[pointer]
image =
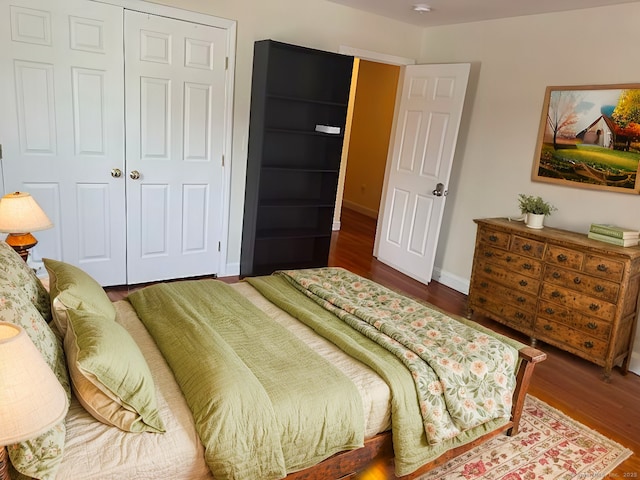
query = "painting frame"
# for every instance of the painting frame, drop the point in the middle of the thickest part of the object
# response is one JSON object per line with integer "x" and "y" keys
{"x": 583, "y": 143}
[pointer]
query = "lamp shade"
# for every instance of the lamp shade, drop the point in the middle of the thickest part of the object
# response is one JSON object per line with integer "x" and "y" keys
{"x": 31, "y": 397}
{"x": 20, "y": 213}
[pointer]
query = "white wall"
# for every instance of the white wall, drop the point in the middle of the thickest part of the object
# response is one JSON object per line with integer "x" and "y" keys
{"x": 311, "y": 23}
{"x": 513, "y": 61}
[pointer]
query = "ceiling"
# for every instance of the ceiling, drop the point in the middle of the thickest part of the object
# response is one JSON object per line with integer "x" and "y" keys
{"x": 448, "y": 12}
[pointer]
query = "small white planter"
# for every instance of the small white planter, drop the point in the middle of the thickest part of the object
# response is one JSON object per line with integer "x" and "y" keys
{"x": 535, "y": 220}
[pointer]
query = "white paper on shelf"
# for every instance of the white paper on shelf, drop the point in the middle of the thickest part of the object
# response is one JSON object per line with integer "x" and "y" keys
{"x": 328, "y": 129}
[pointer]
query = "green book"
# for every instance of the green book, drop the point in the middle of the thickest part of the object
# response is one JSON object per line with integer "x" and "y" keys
{"x": 613, "y": 231}
{"x": 623, "y": 242}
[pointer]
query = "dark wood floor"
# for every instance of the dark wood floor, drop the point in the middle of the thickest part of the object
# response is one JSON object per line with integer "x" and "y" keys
{"x": 564, "y": 381}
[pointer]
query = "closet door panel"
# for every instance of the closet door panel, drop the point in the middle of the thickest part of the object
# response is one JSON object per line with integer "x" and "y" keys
{"x": 175, "y": 133}
{"x": 62, "y": 92}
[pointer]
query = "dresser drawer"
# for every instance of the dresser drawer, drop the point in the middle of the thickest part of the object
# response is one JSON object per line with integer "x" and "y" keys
{"x": 554, "y": 332}
{"x": 484, "y": 288}
{"x": 596, "y": 287}
{"x": 528, "y": 247}
{"x": 508, "y": 314}
{"x": 578, "y": 301}
{"x": 514, "y": 262}
{"x": 604, "y": 267}
{"x": 494, "y": 237}
{"x": 564, "y": 257}
{"x": 590, "y": 325}
{"x": 508, "y": 277}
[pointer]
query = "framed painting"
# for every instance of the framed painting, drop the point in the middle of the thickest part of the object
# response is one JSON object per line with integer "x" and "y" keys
{"x": 589, "y": 137}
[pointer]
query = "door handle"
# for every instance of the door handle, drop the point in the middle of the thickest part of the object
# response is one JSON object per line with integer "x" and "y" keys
{"x": 135, "y": 175}
{"x": 440, "y": 191}
{"x": 116, "y": 172}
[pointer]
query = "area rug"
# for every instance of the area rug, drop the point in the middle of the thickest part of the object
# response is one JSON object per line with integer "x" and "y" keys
{"x": 550, "y": 445}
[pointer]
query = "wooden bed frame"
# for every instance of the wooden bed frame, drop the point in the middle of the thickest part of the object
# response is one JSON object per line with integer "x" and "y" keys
{"x": 347, "y": 464}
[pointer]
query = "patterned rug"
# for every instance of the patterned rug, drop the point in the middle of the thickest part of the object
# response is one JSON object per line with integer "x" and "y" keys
{"x": 550, "y": 445}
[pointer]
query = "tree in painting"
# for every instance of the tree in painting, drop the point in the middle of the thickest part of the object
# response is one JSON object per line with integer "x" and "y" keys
{"x": 562, "y": 113}
{"x": 627, "y": 117}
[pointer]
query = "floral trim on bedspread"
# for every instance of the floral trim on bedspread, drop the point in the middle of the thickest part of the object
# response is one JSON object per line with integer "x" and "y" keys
{"x": 463, "y": 376}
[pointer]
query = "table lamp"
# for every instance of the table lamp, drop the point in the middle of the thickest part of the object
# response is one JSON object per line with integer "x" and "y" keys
{"x": 31, "y": 397}
{"x": 19, "y": 215}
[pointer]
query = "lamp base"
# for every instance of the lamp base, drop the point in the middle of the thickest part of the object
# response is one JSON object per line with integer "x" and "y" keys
{"x": 4, "y": 464}
{"x": 21, "y": 243}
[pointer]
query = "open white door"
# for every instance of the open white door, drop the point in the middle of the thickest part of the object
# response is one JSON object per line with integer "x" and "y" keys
{"x": 175, "y": 78}
{"x": 424, "y": 135}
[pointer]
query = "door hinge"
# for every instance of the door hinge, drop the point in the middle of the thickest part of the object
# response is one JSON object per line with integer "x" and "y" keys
{"x": 223, "y": 160}
{"x": 226, "y": 63}
{"x": 219, "y": 246}
{"x": 0, "y": 151}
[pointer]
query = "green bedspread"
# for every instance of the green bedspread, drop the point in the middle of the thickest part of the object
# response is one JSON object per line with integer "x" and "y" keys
{"x": 411, "y": 446}
{"x": 264, "y": 404}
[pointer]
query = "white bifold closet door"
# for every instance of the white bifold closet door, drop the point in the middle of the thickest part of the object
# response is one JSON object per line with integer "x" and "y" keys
{"x": 62, "y": 128}
{"x": 63, "y": 77}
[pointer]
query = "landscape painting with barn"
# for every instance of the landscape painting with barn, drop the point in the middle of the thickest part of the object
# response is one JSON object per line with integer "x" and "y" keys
{"x": 590, "y": 137}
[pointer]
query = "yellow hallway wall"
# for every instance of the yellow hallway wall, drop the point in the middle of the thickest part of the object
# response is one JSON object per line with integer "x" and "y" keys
{"x": 369, "y": 137}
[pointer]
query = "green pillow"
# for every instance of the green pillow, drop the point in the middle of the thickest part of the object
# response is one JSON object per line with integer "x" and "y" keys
{"x": 109, "y": 374}
{"x": 70, "y": 287}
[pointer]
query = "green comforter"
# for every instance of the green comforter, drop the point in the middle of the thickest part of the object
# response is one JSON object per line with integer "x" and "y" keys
{"x": 411, "y": 446}
{"x": 264, "y": 404}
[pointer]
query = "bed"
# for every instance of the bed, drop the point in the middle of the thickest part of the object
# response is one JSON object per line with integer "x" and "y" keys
{"x": 293, "y": 378}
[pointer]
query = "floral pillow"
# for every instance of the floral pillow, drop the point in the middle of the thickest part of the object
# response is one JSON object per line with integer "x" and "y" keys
{"x": 20, "y": 304}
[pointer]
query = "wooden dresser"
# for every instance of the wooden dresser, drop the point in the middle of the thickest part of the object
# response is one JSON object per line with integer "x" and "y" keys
{"x": 559, "y": 287}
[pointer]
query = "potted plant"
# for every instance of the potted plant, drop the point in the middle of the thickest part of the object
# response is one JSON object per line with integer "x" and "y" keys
{"x": 535, "y": 209}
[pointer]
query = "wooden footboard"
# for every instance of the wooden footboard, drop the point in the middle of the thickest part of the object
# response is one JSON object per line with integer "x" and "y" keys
{"x": 380, "y": 448}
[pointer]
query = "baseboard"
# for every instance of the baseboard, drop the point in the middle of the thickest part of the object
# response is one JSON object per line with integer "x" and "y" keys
{"x": 634, "y": 365}
{"x": 360, "y": 209}
{"x": 459, "y": 284}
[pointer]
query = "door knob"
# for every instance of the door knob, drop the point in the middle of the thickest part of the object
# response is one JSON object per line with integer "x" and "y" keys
{"x": 440, "y": 191}
{"x": 135, "y": 175}
{"x": 116, "y": 172}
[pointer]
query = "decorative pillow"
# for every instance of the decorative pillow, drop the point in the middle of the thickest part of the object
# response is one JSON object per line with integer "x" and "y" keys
{"x": 15, "y": 272}
{"x": 109, "y": 374}
{"x": 39, "y": 457}
{"x": 70, "y": 287}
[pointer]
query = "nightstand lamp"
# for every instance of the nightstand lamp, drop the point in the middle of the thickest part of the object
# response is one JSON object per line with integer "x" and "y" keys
{"x": 31, "y": 397}
{"x": 19, "y": 215}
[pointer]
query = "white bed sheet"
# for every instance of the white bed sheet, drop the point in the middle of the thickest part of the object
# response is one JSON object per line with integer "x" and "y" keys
{"x": 94, "y": 451}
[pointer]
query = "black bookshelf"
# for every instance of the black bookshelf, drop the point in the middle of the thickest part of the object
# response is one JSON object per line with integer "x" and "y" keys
{"x": 292, "y": 167}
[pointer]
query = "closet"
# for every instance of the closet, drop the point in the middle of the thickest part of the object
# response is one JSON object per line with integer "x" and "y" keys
{"x": 299, "y": 100}
{"x": 117, "y": 122}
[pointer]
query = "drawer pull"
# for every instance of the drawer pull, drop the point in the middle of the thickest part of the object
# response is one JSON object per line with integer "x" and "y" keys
{"x": 482, "y": 300}
{"x": 484, "y": 284}
{"x": 526, "y": 247}
{"x": 519, "y": 315}
{"x": 594, "y": 307}
{"x": 521, "y": 299}
{"x": 488, "y": 254}
{"x": 599, "y": 288}
{"x": 556, "y": 275}
{"x": 508, "y": 258}
{"x": 527, "y": 266}
{"x": 549, "y": 310}
{"x": 588, "y": 344}
{"x": 562, "y": 257}
{"x": 555, "y": 294}
{"x": 577, "y": 281}
{"x": 493, "y": 238}
{"x": 548, "y": 327}
{"x": 592, "y": 325}
{"x": 523, "y": 283}
{"x": 487, "y": 269}
{"x": 602, "y": 267}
